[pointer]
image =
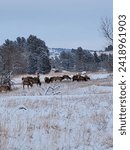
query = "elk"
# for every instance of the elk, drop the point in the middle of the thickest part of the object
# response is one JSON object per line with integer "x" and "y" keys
{"x": 5, "y": 88}
{"x": 80, "y": 78}
{"x": 34, "y": 80}
{"x": 56, "y": 79}
{"x": 75, "y": 77}
{"x": 88, "y": 78}
{"x": 26, "y": 81}
{"x": 47, "y": 80}
{"x": 66, "y": 77}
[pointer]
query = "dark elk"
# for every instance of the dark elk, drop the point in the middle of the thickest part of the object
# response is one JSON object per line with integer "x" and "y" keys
{"x": 80, "y": 78}
{"x": 75, "y": 77}
{"x": 52, "y": 79}
{"x": 27, "y": 82}
{"x": 47, "y": 80}
{"x": 66, "y": 77}
{"x": 87, "y": 78}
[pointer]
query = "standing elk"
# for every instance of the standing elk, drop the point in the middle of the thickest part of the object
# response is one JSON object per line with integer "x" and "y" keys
{"x": 34, "y": 80}
{"x": 27, "y": 82}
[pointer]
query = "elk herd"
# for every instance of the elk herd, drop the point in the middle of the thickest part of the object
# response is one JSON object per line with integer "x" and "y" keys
{"x": 29, "y": 81}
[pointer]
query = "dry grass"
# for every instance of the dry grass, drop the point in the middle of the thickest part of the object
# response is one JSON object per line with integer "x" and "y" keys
{"x": 3, "y": 135}
{"x": 58, "y": 122}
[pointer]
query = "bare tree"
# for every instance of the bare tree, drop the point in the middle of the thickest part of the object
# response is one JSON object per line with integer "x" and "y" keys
{"x": 107, "y": 29}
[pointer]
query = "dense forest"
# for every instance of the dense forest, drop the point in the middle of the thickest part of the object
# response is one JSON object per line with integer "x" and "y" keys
{"x": 31, "y": 55}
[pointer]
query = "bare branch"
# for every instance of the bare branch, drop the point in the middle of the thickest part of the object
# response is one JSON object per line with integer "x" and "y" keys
{"x": 107, "y": 29}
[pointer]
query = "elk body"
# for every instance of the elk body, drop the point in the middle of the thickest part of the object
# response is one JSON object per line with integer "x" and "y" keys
{"x": 29, "y": 81}
{"x": 4, "y": 88}
{"x": 52, "y": 79}
{"x": 26, "y": 81}
{"x": 47, "y": 80}
{"x": 66, "y": 77}
{"x": 80, "y": 78}
{"x": 34, "y": 80}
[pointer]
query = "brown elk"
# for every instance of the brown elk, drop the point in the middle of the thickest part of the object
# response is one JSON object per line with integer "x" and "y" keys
{"x": 66, "y": 77}
{"x": 5, "y": 88}
{"x": 87, "y": 78}
{"x": 75, "y": 77}
{"x": 80, "y": 78}
{"x": 47, "y": 80}
{"x": 27, "y": 82}
{"x": 52, "y": 79}
{"x": 58, "y": 78}
{"x": 34, "y": 80}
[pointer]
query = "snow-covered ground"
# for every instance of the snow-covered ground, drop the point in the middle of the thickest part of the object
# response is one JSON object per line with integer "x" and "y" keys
{"x": 58, "y": 116}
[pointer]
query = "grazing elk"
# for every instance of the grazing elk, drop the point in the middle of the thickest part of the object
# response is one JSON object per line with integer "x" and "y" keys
{"x": 47, "y": 80}
{"x": 66, "y": 77}
{"x": 52, "y": 79}
{"x": 27, "y": 82}
{"x": 88, "y": 78}
{"x": 5, "y": 88}
{"x": 75, "y": 77}
{"x": 80, "y": 78}
{"x": 58, "y": 78}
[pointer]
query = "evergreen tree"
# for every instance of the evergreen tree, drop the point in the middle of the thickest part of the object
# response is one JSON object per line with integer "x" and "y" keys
{"x": 96, "y": 58}
{"x": 38, "y": 55}
{"x": 109, "y": 48}
{"x": 12, "y": 57}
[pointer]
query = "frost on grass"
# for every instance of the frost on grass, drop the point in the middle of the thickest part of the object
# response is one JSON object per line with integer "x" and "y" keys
{"x": 78, "y": 118}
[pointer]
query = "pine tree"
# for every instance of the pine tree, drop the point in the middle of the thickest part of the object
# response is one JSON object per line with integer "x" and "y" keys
{"x": 38, "y": 55}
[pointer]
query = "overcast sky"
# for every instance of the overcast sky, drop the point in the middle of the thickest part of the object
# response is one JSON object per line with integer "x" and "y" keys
{"x": 60, "y": 23}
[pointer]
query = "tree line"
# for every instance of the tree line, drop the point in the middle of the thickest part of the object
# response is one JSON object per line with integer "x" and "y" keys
{"x": 83, "y": 60}
{"x": 31, "y": 55}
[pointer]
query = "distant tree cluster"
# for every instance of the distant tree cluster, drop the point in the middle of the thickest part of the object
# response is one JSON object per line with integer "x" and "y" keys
{"x": 109, "y": 48}
{"x": 82, "y": 60}
{"x": 29, "y": 55}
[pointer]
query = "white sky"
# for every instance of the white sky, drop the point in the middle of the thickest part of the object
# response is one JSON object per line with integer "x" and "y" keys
{"x": 60, "y": 23}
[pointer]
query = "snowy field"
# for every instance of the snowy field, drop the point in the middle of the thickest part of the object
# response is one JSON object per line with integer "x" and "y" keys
{"x": 58, "y": 116}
